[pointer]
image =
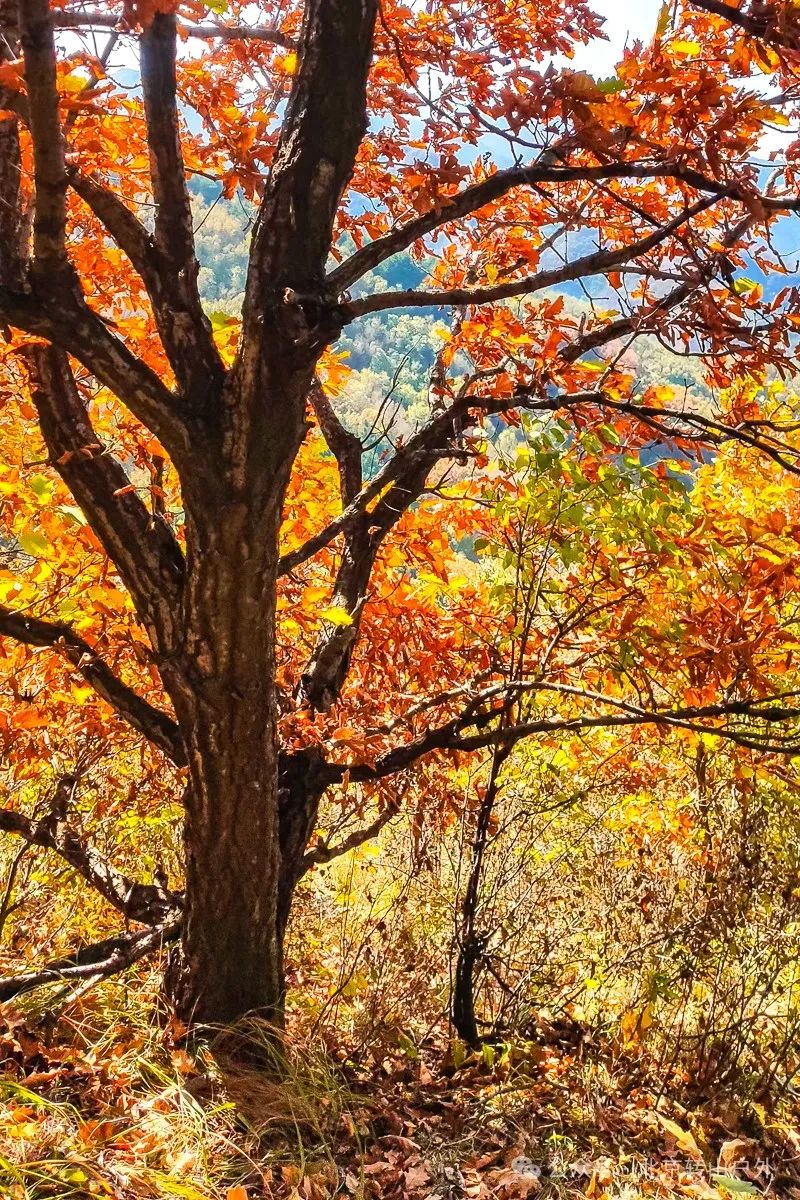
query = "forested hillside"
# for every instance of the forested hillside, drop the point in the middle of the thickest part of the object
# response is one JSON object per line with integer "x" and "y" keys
{"x": 389, "y": 357}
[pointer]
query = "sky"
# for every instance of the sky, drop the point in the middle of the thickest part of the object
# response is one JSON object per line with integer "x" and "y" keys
{"x": 625, "y": 21}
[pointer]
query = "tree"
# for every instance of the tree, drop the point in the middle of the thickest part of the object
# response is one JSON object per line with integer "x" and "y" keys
{"x": 631, "y": 586}
{"x": 377, "y": 121}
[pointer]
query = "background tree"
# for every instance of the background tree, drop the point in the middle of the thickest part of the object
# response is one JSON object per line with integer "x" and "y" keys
{"x": 343, "y": 117}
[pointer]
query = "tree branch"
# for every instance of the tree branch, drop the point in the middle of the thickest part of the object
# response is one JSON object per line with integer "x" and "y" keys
{"x": 322, "y": 680}
{"x": 364, "y": 532}
{"x": 642, "y": 322}
{"x": 13, "y": 225}
{"x": 323, "y": 853}
{"x": 767, "y": 25}
{"x": 94, "y": 19}
{"x": 100, "y": 960}
{"x": 452, "y": 735}
{"x": 54, "y": 307}
{"x": 345, "y": 447}
{"x": 184, "y": 327}
{"x": 475, "y": 197}
{"x": 589, "y": 264}
{"x": 672, "y": 423}
{"x": 151, "y": 722}
{"x": 426, "y": 444}
{"x": 135, "y": 241}
{"x": 147, "y": 903}
{"x": 142, "y": 546}
{"x": 50, "y": 177}
{"x": 61, "y": 316}
{"x": 325, "y": 121}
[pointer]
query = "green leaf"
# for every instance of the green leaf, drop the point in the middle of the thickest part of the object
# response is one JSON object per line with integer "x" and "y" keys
{"x": 72, "y": 513}
{"x": 407, "y": 1046}
{"x": 737, "y": 1187}
{"x": 663, "y": 21}
{"x": 743, "y": 286}
{"x": 42, "y": 487}
{"x": 170, "y": 1186}
{"x": 610, "y": 86}
{"x": 222, "y": 320}
{"x": 74, "y": 1175}
{"x": 33, "y": 543}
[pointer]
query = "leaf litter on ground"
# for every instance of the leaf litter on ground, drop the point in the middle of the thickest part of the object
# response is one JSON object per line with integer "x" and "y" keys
{"x": 143, "y": 1117}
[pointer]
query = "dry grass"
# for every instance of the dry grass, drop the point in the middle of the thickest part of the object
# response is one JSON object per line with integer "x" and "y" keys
{"x": 106, "y": 1101}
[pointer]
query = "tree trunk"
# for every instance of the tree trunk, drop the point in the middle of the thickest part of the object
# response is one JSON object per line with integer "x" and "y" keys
{"x": 471, "y": 943}
{"x": 462, "y": 1004}
{"x": 223, "y": 686}
{"x": 231, "y": 961}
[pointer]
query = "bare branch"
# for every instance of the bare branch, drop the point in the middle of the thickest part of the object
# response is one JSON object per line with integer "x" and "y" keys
{"x": 400, "y": 484}
{"x": 94, "y": 19}
{"x": 345, "y": 447}
{"x": 321, "y": 682}
{"x": 100, "y": 960}
{"x": 50, "y": 177}
{"x": 147, "y": 903}
{"x": 323, "y": 853}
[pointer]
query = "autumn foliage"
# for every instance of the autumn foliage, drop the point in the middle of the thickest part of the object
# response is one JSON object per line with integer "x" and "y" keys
{"x": 242, "y": 636}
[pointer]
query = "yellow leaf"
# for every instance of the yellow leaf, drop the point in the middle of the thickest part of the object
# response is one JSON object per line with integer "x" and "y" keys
{"x": 635, "y": 1023}
{"x": 73, "y": 84}
{"x": 581, "y": 86}
{"x": 685, "y": 49}
{"x": 336, "y": 615}
{"x": 766, "y": 58}
{"x": 683, "y": 1139}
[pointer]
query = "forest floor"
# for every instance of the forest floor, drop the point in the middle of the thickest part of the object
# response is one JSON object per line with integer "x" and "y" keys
{"x": 129, "y": 1111}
